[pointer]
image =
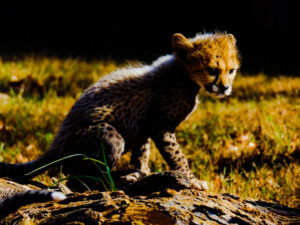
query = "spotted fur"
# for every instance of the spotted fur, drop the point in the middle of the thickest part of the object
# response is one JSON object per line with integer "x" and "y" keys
{"x": 128, "y": 107}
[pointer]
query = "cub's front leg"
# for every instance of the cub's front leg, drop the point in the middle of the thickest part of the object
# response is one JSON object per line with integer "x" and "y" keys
{"x": 139, "y": 158}
{"x": 169, "y": 148}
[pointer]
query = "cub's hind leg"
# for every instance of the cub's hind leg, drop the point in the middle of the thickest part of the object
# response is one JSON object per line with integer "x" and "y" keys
{"x": 113, "y": 144}
{"x": 95, "y": 142}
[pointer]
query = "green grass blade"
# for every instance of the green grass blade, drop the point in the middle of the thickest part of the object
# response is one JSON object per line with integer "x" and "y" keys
{"x": 102, "y": 173}
{"x": 82, "y": 176}
{"x": 53, "y": 162}
{"x": 84, "y": 184}
{"x": 57, "y": 182}
{"x": 94, "y": 160}
{"x": 100, "y": 170}
{"x": 112, "y": 183}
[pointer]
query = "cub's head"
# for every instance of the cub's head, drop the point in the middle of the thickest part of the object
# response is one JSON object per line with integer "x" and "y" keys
{"x": 210, "y": 59}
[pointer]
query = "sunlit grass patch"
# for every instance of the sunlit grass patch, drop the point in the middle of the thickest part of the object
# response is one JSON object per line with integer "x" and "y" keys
{"x": 29, "y": 124}
{"x": 263, "y": 87}
{"x": 38, "y": 75}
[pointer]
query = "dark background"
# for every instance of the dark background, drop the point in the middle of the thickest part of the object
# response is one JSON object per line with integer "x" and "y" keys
{"x": 266, "y": 31}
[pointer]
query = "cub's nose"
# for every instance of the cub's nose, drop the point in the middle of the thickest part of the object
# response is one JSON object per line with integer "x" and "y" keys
{"x": 223, "y": 88}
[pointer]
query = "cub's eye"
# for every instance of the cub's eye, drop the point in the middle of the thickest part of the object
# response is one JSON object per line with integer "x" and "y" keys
{"x": 231, "y": 71}
{"x": 213, "y": 71}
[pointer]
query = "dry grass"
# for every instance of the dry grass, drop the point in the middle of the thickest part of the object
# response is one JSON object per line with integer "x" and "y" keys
{"x": 248, "y": 144}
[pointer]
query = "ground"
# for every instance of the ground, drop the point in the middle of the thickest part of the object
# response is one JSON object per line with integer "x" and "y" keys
{"x": 247, "y": 144}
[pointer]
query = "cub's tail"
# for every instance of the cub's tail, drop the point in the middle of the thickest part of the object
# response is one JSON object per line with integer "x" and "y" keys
{"x": 13, "y": 202}
{"x": 23, "y": 171}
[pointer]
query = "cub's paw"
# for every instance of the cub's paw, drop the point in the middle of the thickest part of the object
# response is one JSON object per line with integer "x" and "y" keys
{"x": 200, "y": 185}
{"x": 132, "y": 177}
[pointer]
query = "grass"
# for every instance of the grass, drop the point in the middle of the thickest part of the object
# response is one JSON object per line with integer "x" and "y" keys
{"x": 106, "y": 177}
{"x": 248, "y": 144}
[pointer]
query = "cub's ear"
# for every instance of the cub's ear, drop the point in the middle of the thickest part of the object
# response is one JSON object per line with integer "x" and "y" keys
{"x": 231, "y": 37}
{"x": 181, "y": 45}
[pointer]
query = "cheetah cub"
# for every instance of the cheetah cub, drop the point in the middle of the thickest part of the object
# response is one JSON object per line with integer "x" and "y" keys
{"x": 128, "y": 107}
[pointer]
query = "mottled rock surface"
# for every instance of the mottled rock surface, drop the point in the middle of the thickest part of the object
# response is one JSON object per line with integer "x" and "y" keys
{"x": 186, "y": 206}
{"x": 161, "y": 198}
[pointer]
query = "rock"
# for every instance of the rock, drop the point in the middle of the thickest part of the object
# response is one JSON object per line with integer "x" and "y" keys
{"x": 168, "y": 206}
{"x": 8, "y": 187}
